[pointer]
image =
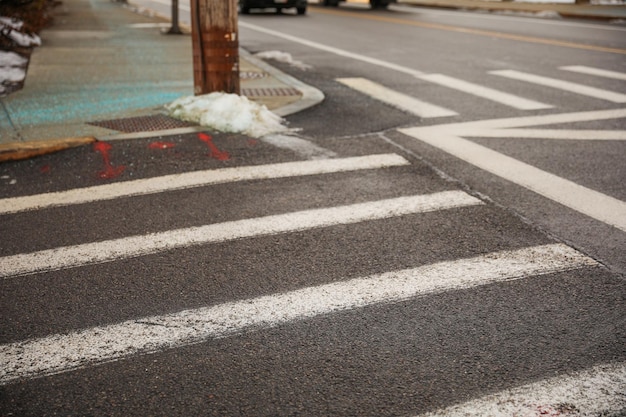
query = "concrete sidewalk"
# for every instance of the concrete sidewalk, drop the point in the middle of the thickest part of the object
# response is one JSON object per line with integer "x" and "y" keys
{"x": 104, "y": 71}
{"x": 583, "y": 11}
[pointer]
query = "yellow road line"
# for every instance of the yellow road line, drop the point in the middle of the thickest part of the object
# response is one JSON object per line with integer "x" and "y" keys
{"x": 480, "y": 32}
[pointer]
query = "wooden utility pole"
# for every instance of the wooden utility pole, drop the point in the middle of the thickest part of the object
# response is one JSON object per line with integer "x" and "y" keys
{"x": 215, "y": 46}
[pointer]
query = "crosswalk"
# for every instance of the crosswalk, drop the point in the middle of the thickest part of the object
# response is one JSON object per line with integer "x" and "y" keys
{"x": 425, "y": 109}
{"x": 85, "y": 349}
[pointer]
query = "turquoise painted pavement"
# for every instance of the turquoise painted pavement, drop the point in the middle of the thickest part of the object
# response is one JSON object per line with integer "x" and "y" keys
{"x": 98, "y": 61}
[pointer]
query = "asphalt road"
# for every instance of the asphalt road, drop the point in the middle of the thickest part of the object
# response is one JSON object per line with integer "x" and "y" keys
{"x": 396, "y": 288}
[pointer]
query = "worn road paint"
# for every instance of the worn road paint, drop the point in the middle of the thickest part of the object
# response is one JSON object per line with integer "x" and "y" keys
{"x": 109, "y": 170}
{"x": 64, "y": 352}
{"x": 570, "y": 87}
{"x": 140, "y": 245}
{"x": 599, "y": 391}
{"x": 491, "y": 94}
{"x": 300, "y": 146}
{"x": 595, "y": 71}
{"x": 198, "y": 179}
{"x": 396, "y": 99}
{"x": 214, "y": 152}
{"x": 449, "y": 138}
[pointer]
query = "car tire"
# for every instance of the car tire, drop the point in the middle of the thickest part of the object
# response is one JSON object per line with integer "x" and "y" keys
{"x": 379, "y": 4}
{"x": 331, "y": 3}
{"x": 301, "y": 10}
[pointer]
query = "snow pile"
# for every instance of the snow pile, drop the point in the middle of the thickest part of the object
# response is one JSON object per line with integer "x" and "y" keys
{"x": 12, "y": 30}
{"x": 12, "y": 71}
{"x": 227, "y": 113}
{"x": 283, "y": 57}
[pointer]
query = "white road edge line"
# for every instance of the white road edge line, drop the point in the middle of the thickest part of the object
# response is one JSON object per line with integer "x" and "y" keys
{"x": 64, "y": 352}
{"x": 333, "y": 50}
{"x": 592, "y": 203}
{"x": 546, "y": 119}
{"x": 563, "y": 85}
{"x": 595, "y": 71}
{"x": 556, "y": 134}
{"x": 398, "y": 100}
{"x": 477, "y": 90}
{"x": 141, "y": 245}
{"x": 199, "y": 179}
{"x": 598, "y": 391}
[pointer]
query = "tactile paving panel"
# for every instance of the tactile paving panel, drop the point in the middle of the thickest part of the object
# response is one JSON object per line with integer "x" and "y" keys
{"x": 142, "y": 123}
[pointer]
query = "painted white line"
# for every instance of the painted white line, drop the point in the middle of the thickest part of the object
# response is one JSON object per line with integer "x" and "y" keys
{"x": 563, "y": 85}
{"x": 331, "y": 49}
{"x": 63, "y": 352}
{"x": 302, "y": 147}
{"x": 395, "y": 99}
{"x": 557, "y": 134}
{"x": 599, "y": 391}
{"x": 201, "y": 178}
{"x": 546, "y": 119}
{"x": 584, "y": 200}
{"x": 140, "y": 245}
{"x": 485, "y": 92}
{"x": 595, "y": 71}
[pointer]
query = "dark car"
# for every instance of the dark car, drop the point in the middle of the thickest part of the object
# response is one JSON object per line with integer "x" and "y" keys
{"x": 376, "y": 4}
{"x": 246, "y": 5}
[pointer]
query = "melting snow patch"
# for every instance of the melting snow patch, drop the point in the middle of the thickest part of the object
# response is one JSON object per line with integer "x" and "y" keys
{"x": 11, "y": 29}
{"x": 227, "y": 113}
{"x": 12, "y": 71}
{"x": 283, "y": 57}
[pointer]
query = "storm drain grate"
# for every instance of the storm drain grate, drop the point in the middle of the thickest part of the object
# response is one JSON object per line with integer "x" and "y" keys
{"x": 142, "y": 123}
{"x": 270, "y": 92}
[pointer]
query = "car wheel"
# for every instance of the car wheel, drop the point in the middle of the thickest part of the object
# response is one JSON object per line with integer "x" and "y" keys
{"x": 301, "y": 10}
{"x": 379, "y": 4}
{"x": 332, "y": 3}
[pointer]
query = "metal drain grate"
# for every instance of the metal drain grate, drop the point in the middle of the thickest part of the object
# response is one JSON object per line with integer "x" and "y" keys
{"x": 270, "y": 92}
{"x": 142, "y": 123}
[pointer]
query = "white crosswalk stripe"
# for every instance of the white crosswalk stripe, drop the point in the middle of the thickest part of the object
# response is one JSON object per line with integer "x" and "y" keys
{"x": 481, "y": 91}
{"x": 425, "y": 109}
{"x": 134, "y": 246}
{"x": 599, "y": 391}
{"x": 197, "y": 179}
{"x": 396, "y": 99}
{"x": 563, "y": 85}
{"x": 595, "y": 71}
{"x": 59, "y": 353}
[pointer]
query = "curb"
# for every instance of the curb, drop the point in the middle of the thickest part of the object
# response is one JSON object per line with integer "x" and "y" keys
{"x": 311, "y": 96}
{"x": 562, "y": 9}
{"x": 15, "y": 151}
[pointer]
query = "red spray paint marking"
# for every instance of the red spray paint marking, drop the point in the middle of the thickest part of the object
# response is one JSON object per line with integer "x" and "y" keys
{"x": 214, "y": 152}
{"x": 45, "y": 169}
{"x": 253, "y": 142}
{"x": 109, "y": 170}
{"x": 161, "y": 145}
